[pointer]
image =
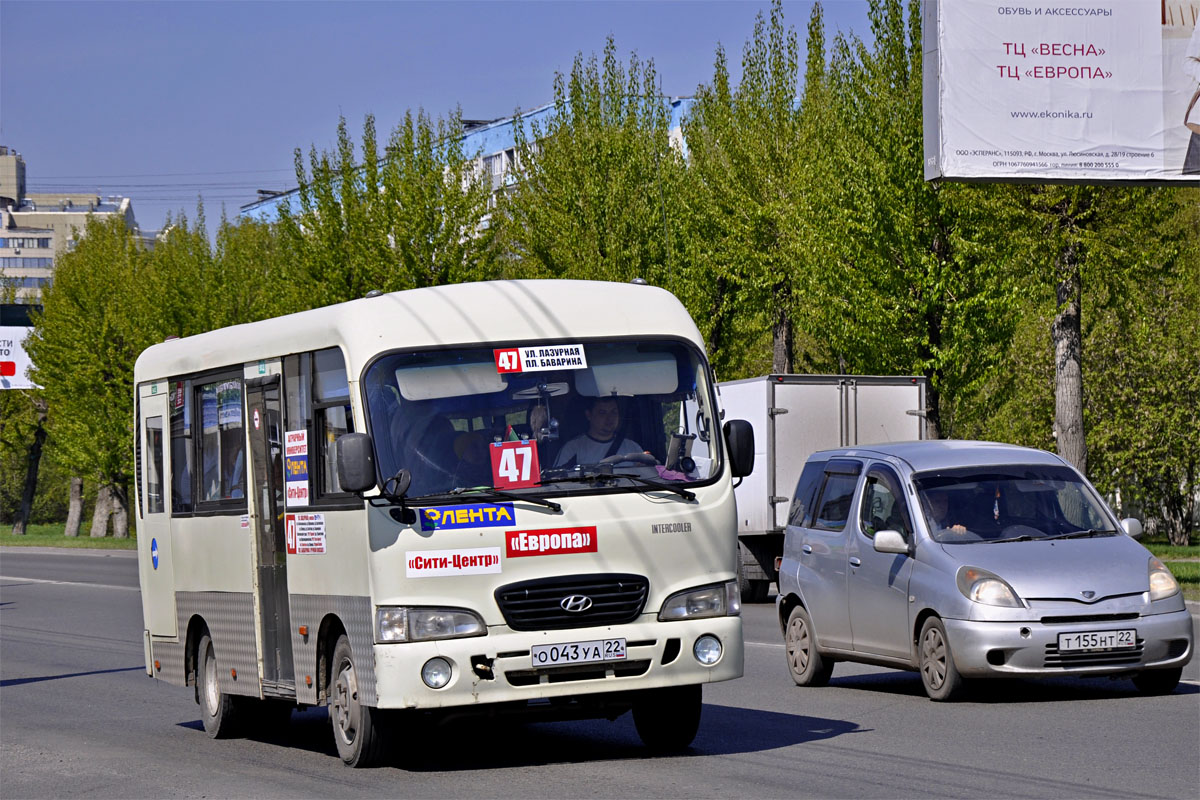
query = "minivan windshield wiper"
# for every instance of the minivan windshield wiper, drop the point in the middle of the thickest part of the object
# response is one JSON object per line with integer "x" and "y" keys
{"x": 494, "y": 494}
{"x": 1025, "y": 537}
{"x": 607, "y": 477}
{"x": 1090, "y": 532}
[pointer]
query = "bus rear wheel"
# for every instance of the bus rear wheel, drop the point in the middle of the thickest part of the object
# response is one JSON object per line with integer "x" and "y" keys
{"x": 667, "y": 719}
{"x": 219, "y": 711}
{"x": 356, "y": 728}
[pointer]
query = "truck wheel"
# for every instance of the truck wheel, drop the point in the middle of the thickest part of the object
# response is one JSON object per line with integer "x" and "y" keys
{"x": 808, "y": 667}
{"x": 752, "y": 590}
{"x": 218, "y": 710}
{"x": 356, "y": 728}
{"x": 938, "y": 672}
{"x": 667, "y": 719}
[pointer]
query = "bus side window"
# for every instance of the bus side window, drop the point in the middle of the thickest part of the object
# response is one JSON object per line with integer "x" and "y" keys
{"x": 181, "y": 447}
{"x": 331, "y": 407}
{"x": 318, "y": 401}
{"x": 153, "y": 444}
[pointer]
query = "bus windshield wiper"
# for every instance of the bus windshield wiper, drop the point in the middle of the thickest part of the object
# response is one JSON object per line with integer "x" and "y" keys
{"x": 1084, "y": 534}
{"x": 498, "y": 493}
{"x": 666, "y": 487}
{"x": 607, "y": 477}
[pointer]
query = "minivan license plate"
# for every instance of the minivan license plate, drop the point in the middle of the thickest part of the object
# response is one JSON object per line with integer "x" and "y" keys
{"x": 551, "y": 655}
{"x": 1084, "y": 641}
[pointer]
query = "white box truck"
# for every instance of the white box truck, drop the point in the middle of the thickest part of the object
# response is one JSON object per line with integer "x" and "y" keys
{"x": 794, "y": 416}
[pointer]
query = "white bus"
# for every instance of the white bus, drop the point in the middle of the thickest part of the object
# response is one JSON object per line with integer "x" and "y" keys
{"x": 471, "y": 498}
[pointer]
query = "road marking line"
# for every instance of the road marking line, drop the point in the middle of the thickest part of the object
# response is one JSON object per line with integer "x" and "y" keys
{"x": 764, "y": 644}
{"x": 70, "y": 583}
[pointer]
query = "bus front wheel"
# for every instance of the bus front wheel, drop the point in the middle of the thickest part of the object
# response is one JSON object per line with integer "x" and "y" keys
{"x": 356, "y": 728}
{"x": 219, "y": 710}
{"x": 667, "y": 719}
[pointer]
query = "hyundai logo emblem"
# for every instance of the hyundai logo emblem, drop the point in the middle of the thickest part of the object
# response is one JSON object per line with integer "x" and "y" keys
{"x": 576, "y": 603}
{"x": 1088, "y": 594}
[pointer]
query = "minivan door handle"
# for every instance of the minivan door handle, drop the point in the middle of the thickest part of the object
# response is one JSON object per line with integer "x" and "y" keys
{"x": 807, "y": 549}
{"x": 854, "y": 562}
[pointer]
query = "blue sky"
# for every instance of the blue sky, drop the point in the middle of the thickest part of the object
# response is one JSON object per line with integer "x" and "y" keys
{"x": 165, "y": 101}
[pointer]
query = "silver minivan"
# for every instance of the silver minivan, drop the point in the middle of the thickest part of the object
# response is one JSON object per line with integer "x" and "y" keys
{"x": 968, "y": 560}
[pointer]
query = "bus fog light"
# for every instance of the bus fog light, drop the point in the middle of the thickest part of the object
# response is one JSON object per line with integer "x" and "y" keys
{"x": 707, "y": 650}
{"x": 436, "y": 673}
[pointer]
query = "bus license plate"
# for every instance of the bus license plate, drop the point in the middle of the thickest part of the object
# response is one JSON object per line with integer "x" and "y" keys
{"x": 1084, "y": 641}
{"x": 553, "y": 655}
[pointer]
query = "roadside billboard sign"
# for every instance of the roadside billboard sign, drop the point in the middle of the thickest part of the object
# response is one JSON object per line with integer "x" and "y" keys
{"x": 1074, "y": 90}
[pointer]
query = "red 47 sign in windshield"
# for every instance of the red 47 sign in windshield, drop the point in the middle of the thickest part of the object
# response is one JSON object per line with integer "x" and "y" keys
{"x": 515, "y": 464}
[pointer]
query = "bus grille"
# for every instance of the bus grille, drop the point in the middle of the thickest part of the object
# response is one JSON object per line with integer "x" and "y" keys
{"x": 538, "y": 605}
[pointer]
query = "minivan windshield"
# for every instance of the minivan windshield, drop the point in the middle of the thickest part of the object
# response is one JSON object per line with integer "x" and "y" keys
{"x": 1009, "y": 503}
{"x": 543, "y": 418}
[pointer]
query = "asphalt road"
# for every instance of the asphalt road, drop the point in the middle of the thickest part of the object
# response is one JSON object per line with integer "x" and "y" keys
{"x": 79, "y": 718}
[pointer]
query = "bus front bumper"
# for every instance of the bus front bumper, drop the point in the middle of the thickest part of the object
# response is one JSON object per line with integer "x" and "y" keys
{"x": 499, "y": 668}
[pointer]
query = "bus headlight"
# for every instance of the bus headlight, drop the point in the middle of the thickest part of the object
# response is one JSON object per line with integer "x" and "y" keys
{"x": 436, "y": 672}
{"x": 406, "y": 624}
{"x": 707, "y": 650}
{"x": 718, "y": 600}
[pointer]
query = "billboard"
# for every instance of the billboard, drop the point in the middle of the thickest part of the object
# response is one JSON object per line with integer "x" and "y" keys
{"x": 15, "y": 324}
{"x": 1105, "y": 90}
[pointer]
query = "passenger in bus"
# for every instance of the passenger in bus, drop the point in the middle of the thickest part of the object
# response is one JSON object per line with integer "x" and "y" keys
{"x": 602, "y": 439}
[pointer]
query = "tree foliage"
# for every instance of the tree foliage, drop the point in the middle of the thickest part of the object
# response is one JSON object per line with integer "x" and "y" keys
{"x": 599, "y": 189}
{"x": 750, "y": 196}
{"x": 913, "y": 278}
{"x": 410, "y": 217}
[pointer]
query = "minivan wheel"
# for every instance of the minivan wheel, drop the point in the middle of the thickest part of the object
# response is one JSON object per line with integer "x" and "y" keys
{"x": 1158, "y": 681}
{"x": 808, "y": 667}
{"x": 938, "y": 673}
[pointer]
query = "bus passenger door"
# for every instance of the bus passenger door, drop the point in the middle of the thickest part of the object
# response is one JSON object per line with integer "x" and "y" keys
{"x": 266, "y": 459}
{"x": 154, "y": 515}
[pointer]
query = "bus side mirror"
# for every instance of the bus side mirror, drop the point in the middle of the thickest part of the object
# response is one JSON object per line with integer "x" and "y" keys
{"x": 739, "y": 437}
{"x": 355, "y": 462}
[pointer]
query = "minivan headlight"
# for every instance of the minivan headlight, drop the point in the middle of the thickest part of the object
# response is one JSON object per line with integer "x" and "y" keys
{"x": 981, "y": 586}
{"x": 718, "y": 600}
{"x": 1162, "y": 582}
{"x": 406, "y": 624}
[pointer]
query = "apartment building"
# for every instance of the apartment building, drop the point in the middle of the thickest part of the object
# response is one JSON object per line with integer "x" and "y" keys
{"x": 35, "y": 227}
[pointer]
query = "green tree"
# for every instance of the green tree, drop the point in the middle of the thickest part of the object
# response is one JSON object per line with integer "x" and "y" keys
{"x": 83, "y": 347}
{"x": 913, "y": 275}
{"x": 409, "y": 218}
{"x": 749, "y": 153}
{"x": 599, "y": 181}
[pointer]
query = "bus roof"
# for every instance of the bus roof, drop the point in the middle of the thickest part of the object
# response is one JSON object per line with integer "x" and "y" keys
{"x": 459, "y": 314}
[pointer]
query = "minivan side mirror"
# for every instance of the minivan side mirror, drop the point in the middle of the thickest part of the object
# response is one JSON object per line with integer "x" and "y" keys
{"x": 890, "y": 542}
{"x": 355, "y": 462}
{"x": 739, "y": 437}
{"x": 1132, "y": 528}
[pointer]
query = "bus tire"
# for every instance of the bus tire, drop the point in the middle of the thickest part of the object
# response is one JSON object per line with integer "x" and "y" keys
{"x": 356, "y": 728}
{"x": 667, "y": 719}
{"x": 218, "y": 711}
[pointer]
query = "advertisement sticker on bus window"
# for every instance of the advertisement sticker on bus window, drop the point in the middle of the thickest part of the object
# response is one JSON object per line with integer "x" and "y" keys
{"x": 445, "y": 563}
{"x": 540, "y": 359}
{"x": 305, "y": 534}
{"x": 295, "y": 467}
{"x": 551, "y": 541}
{"x": 515, "y": 464}
{"x": 479, "y": 515}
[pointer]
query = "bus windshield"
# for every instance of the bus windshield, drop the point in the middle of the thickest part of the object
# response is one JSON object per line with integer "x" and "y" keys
{"x": 543, "y": 418}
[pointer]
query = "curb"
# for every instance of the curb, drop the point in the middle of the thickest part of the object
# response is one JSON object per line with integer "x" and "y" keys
{"x": 1193, "y": 607}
